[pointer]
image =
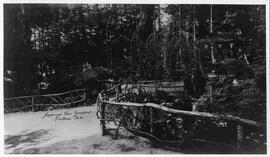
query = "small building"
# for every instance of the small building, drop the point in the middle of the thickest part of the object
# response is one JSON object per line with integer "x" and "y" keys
{"x": 220, "y": 50}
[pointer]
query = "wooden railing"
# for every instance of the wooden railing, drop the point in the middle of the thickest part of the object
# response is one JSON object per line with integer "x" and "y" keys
{"x": 143, "y": 118}
{"x": 147, "y": 87}
{"x": 109, "y": 83}
{"x": 44, "y": 102}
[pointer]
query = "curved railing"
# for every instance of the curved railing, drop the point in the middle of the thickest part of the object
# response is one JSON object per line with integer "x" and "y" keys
{"x": 116, "y": 108}
{"x": 44, "y": 102}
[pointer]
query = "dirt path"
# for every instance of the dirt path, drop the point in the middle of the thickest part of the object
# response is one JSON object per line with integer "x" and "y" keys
{"x": 67, "y": 131}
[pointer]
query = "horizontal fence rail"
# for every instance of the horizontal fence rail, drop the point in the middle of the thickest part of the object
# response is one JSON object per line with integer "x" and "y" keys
{"x": 109, "y": 83}
{"x": 117, "y": 108}
{"x": 147, "y": 87}
{"x": 187, "y": 113}
{"x": 44, "y": 102}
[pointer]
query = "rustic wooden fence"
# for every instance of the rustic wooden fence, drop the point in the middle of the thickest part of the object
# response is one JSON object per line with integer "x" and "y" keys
{"x": 109, "y": 83}
{"x": 166, "y": 125}
{"x": 44, "y": 102}
{"x": 145, "y": 87}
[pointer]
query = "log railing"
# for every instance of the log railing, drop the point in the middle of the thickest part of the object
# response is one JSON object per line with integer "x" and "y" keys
{"x": 144, "y": 86}
{"x": 44, "y": 102}
{"x": 146, "y": 118}
{"x": 109, "y": 83}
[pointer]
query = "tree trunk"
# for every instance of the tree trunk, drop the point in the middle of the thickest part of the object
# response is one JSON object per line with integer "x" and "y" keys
{"x": 180, "y": 31}
{"x": 211, "y": 31}
{"x": 145, "y": 28}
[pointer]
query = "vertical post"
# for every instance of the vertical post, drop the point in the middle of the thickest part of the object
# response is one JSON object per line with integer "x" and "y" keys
{"x": 125, "y": 90}
{"x": 179, "y": 58}
{"x": 211, "y": 18}
{"x": 102, "y": 121}
{"x": 231, "y": 51}
{"x": 151, "y": 119}
{"x": 211, "y": 31}
{"x": 194, "y": 107}
{"x": 33, "y": 104}
{"x": 180, "y": 29}
{"x": 245, "y": 57}
{"x": 84, "y": 95}
{"x": 240, "y": 135}
{"x": 194, "y": 34}
{"x": 211, "y": 92}
{"x": 117, "y": 91}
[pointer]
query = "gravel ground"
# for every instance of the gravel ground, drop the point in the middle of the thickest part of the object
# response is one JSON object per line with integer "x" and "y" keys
{"x": 68, "y": 131}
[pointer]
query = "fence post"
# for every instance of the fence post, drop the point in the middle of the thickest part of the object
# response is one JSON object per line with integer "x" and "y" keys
{"x": 211, "y": 93}
{"x": 102, "y": 120}
{"x": 151, "y": 119}
{"x": 240, "y": 135}
{"x": 117, "y": 92}
{"x": 84, "y": 95}
{"x": 33, "y": 104}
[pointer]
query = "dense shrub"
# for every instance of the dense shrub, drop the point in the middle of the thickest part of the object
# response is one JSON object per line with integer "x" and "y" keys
{"x": 244, "y": 100}
{"x": 239, "y": 68}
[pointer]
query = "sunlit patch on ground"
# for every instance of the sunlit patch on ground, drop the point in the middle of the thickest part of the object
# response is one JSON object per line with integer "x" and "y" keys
{"x": 30, "y": 133}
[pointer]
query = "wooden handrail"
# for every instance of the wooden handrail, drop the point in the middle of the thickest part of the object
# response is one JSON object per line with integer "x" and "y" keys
{"x": 188, "y": 113}
{"x": 175, "y": 111}
{"x": 139, "y": 82}
{"x": 111, "y": 89}
{"x": 103, "y": 100}
{"x": 57, "y": 94}
{"x": 109, "y": 81}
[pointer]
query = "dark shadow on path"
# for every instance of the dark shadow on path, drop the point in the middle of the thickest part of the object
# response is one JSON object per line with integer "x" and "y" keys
{"x": 27, "y": 138}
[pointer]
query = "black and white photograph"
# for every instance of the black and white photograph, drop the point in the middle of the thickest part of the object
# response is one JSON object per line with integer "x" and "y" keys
{"x": 131, "y": 78}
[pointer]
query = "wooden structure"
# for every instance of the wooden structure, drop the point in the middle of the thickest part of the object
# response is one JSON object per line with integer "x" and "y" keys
{"x": 109, "y": 83}
{"x": 44, "y": 102}
{"x": 225, "y": 49}
{"x": 161, "y": 124}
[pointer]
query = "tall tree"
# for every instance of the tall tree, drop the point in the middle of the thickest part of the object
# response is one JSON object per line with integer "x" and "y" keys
{"x": 144, "y": 30}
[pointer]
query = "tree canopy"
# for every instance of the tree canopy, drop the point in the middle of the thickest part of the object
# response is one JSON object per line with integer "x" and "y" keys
{"x": 150, "y": 41}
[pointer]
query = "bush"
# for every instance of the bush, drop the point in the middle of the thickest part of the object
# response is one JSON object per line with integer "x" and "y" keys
{"x": 261, "y": 82}
{"x": 244, "y": 100}
{"x": 240, "y": 69}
